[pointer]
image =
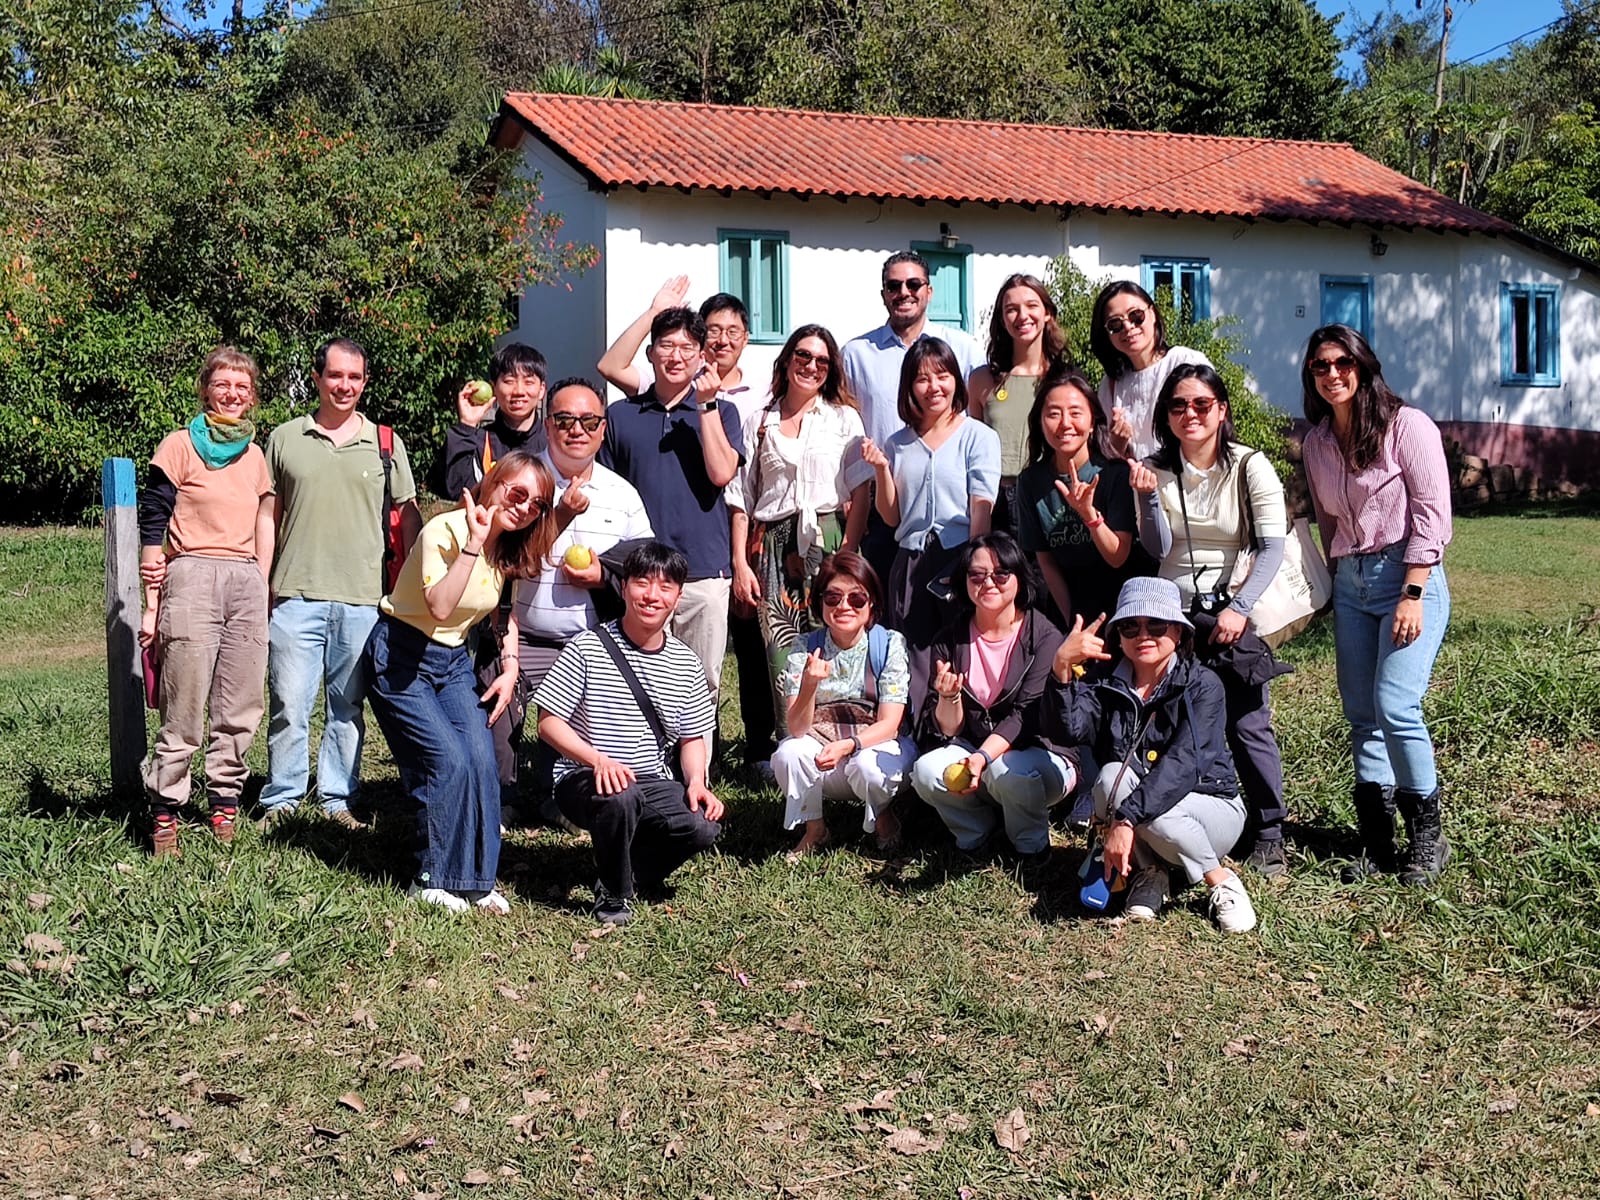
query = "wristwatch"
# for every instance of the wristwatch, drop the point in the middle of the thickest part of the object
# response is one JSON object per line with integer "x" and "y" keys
{"x": 709, "y": 406}
{"x": 1411, "y": 591}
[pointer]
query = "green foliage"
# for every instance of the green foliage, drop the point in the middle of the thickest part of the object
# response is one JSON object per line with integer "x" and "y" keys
{"x": 1255, "y": 422}
{"x": 1555, "y": 192}
{"x": 270, "y": 193}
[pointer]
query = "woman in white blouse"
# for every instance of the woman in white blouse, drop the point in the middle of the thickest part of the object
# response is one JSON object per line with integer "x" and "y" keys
{"x": 802, "y": 492}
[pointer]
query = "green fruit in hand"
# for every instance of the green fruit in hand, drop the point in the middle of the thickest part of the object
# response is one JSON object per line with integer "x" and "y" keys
{"x": 579, "y": 557}
{"x": 958, "y": 776}
{"x": 482, "y": 392}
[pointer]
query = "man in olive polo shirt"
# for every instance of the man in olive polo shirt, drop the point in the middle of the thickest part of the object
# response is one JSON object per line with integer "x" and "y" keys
{"x": 327, "y": 579}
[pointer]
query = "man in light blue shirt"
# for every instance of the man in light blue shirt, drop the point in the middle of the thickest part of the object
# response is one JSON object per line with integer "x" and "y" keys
{"x": 872, "y": 361}
{"x": 872, "y": 369}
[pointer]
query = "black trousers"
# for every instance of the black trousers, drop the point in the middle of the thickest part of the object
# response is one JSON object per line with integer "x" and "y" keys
{"x": 641, "y": 834}
{"x": 1255, "y": 755}
{"x": 755, "y": 687}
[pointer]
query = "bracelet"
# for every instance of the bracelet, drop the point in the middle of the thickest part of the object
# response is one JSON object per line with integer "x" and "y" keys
{"x": 469, "y": 553}
{"x": 988, "y": 759}
{"x": 855, "y": 745}
{"x": 1095, "y": 524}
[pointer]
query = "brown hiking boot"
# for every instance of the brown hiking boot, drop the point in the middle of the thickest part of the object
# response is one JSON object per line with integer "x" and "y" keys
{"x": 223, "y": 820}
{"x": 164, "y": 837}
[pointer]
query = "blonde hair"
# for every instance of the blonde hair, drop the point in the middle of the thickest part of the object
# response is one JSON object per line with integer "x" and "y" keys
{"x": 226, "y": 358}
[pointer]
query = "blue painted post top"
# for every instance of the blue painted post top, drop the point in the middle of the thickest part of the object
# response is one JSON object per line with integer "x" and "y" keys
{"x": 116, "y": 484}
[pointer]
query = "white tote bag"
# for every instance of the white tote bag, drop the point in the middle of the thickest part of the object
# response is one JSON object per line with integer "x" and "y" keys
{"x": 1300, "y": 591}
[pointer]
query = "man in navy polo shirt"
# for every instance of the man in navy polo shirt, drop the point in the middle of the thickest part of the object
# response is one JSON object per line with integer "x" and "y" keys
{"x": 678, "y": 447}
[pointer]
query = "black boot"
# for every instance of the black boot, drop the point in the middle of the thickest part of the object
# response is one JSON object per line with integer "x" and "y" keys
{"x": 1375, "y": 806}
{"x": 1428, "y": 851}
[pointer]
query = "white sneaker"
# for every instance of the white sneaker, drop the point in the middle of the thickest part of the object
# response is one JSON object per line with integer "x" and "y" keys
{"x": 438, "y": 896}
{"x": 495, "y": 903}
{"x": 1147, "y": 894}
{"x": 1230, "y": 906}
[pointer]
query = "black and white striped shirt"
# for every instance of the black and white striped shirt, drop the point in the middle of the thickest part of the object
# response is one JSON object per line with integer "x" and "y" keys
{"x": 585, "y": 689}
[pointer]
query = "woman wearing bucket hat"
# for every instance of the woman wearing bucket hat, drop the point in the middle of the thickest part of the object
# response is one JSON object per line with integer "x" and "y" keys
{"x": 1167, "y": 795}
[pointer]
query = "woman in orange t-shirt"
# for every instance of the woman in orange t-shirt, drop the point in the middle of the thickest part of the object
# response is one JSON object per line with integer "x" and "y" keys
{"x": 206, "y": 539}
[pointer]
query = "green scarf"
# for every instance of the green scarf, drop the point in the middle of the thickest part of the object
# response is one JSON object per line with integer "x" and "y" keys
{"x": 219, "y": 440}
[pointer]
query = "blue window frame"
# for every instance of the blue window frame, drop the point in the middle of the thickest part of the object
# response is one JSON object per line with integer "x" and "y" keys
{"x": 951, "y": 275}
{"x": 1530, "y": 334}
{"x": 1188, "y": 279}
{"x": 1347, "y": 300}
{"x": 755, "y": 268}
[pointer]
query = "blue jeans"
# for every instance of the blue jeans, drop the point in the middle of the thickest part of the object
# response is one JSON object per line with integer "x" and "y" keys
{"x": 425, "y": 697}
{"x": 315, "y": 643}
{"x": 1023, "y": 785}
{"x": 1380, "y": 684}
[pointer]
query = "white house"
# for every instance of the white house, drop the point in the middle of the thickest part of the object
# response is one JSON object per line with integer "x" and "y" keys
{"x": 1487, "y": 329}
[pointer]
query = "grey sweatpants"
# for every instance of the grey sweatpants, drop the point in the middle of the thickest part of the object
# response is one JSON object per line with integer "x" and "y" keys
{"x": 1193, "y": 834}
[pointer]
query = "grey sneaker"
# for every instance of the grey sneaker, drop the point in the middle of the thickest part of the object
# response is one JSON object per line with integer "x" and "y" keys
{"x": 1148, "y": 894}
{"x": 609, "y": 909}
{"x": 1269, "y": 858}
{"x": 1230, "y": 906}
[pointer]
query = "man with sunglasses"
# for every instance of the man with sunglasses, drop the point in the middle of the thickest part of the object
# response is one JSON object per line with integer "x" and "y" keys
{"x": 872, "y": 364}
{"x": 559, "y": 603}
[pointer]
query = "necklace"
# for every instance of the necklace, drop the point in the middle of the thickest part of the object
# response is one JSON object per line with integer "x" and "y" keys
{"x": 1000, "y": 389}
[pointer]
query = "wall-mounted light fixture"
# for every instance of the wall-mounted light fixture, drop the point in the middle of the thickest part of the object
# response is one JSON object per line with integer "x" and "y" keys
{"x": 947, "y": 237}
{"x": 1379, "y": 246}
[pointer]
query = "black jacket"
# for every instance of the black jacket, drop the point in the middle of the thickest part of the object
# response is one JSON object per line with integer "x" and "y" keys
{"x": 1014, "y": 715}
{"x": 468, "y": 447}
{"x": 1175, "y": 740}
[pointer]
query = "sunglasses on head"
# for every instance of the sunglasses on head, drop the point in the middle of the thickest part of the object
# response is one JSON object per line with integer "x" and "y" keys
{"x": 1201, "y": 405}
{"x": 566, "y": 421}
{"x": 1143, "y": 627}
{"x": 804, "y": 358}
{"x": 979, "y": 578}
{"x": 895, "y": 286}
{"x": 1344, "y": 364}
{"x": 1134, "y": 317}
{"x": 855, "y": 599}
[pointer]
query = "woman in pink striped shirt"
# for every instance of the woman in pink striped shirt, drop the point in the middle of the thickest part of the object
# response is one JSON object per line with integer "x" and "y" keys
{"x": 1381, "y": 488}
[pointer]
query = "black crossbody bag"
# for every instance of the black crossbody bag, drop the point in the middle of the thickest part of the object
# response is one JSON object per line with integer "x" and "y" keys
{"x": 647, "y": 706}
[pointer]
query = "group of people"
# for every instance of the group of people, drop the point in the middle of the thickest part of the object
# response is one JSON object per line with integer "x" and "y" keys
{"x": 960, "y": 574}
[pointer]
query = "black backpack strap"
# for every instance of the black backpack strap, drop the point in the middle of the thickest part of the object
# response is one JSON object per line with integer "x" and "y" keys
{"x": 647, "y": 707}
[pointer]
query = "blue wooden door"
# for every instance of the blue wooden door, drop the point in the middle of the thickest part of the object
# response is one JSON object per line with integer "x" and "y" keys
{"x": 1347, "y": 300}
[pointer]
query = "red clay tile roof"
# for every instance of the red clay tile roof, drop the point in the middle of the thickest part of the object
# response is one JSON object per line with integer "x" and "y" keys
{"x": 619, "y": 143}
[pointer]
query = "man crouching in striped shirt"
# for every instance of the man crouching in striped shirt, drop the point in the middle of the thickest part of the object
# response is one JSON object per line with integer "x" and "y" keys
{"x": 627, "y": 708}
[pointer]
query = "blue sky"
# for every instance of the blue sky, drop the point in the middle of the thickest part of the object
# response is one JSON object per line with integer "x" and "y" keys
{"x": 1476, "y": 29}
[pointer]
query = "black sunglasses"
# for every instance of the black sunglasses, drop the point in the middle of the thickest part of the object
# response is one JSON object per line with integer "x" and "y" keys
{"x": 914, "y": 286}
{"x": 1344, "y": 364}
{"x": 1135, "y": 317}
{"x": 1143, "y": 627}
{"x": 565, "y": 421}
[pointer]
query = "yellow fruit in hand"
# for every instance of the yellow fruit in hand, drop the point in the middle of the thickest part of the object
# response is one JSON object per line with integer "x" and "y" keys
{"x": 579, "y": 557}
{"x": 482, "y": 391}
{"x": 958, "y": 776}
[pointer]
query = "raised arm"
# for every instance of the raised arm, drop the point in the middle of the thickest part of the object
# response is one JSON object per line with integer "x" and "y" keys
{"x": 616, "y": 364}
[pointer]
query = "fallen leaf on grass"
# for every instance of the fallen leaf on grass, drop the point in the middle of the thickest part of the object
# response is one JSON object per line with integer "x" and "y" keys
{"x": 353, "y": 1102}
{"x": 175, "y": 1119}
{"x": 282, "y": 959}
{"x": 1591, "y": 1109}
{"x": 1504, "y": 1104}
{"x": 673, "y": 1149}
{"x": 536, "y": 1096}
{"x": 225, "y": 1099}
{"x": 910, "y": 1142}
{"x": 411, "y": 1138}
{"x": 796, "y": 985}
{"x": 400, "y": 1177}
{"x": 406, "y": 1062}
{"x": 326, "y": 1131}
{"x": 1011, "y": 1131}
{"x": 462, "y": 1106}
{"x": 795, "y": 1023}
{"x": 62, "y": 1071}
{"x": 955, "y": 1123}
{"x": 43, "y": 943}
{"x": 1239, "y": 1047}
{"x": 122, "y": 868}
{"x": 600, "y": 931}
{"x": 506, "y": 992}
{"x": 243, "y": 1155}
{"x": 476, "y": 1177}
{"x": 39, "y": 900}
{"x": 139, "y": 1148}
{"x": 194, "y": 1158}
{"x": 881, "y": 1102}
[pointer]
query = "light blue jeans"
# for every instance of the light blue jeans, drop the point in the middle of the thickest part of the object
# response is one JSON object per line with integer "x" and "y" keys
{"x": 1022, "y": 784}
{"x": 1380, "y": 684}
{"x": 311, "y": 644}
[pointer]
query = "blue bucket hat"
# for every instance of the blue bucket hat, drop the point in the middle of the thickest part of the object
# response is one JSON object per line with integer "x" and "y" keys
{"x": 1144, "y": 596}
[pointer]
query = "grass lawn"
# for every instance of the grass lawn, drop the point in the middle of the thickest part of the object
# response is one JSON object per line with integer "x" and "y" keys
{"x": 277, "y": 1021}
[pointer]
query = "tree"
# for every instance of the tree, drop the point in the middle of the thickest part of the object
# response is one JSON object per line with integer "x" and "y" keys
{"x": 1555, "y": 192}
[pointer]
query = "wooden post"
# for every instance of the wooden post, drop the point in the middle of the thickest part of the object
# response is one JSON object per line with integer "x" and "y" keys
{"x": 124, "y": 670}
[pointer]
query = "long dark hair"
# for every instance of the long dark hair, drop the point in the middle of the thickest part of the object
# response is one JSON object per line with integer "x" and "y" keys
{"x": 521, "y": 553}
{"x": 1169, "y": 451}
{"x": 1008, "y": 556}
{"x": 1373, "y": 406}
{"x": 1114, "y": 361}
{"x": 1039, "y": 447}
{"x": 1002, "y": 351}
{"x": 938, "y": 351}
{"x": 834, "y": 388}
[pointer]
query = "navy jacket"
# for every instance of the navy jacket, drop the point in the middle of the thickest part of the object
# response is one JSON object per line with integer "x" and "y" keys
{"x": 1175, "y": 740}
{"x": 1014, "y": 715}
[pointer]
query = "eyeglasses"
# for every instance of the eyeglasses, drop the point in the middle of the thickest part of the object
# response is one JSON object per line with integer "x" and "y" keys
{"x": 895, "y": 286}
{"x": 516, "y": 496}
{"x": 856, "y": 599}
{"x": 979, "y": 578}
{"x": 1134, "y": 317}
{"x": 804, "y": 358}
{"x": 1178, "y": 405}
{"x": 1344, "y": 364}
{"x": 1143, "y": 627}
{"x": 565, "y": 421}
{"x": 726, "y": 333}
{"x": 681, "y": 350}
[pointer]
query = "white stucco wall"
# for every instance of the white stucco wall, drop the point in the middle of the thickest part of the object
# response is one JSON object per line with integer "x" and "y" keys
{"x": 566, "y": 319}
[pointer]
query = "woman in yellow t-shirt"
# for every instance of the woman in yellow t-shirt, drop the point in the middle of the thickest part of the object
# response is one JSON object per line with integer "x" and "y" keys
{"x": 424, "y": 692}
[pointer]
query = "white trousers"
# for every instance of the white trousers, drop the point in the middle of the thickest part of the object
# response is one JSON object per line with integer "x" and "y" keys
{"x": 872, "y": 775}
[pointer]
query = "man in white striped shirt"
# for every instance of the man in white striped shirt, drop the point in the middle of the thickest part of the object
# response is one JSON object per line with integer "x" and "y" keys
{"x": 619, "y": 732}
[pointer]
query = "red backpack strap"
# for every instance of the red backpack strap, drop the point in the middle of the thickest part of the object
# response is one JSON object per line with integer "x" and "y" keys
{"x": 393, "y": 547}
